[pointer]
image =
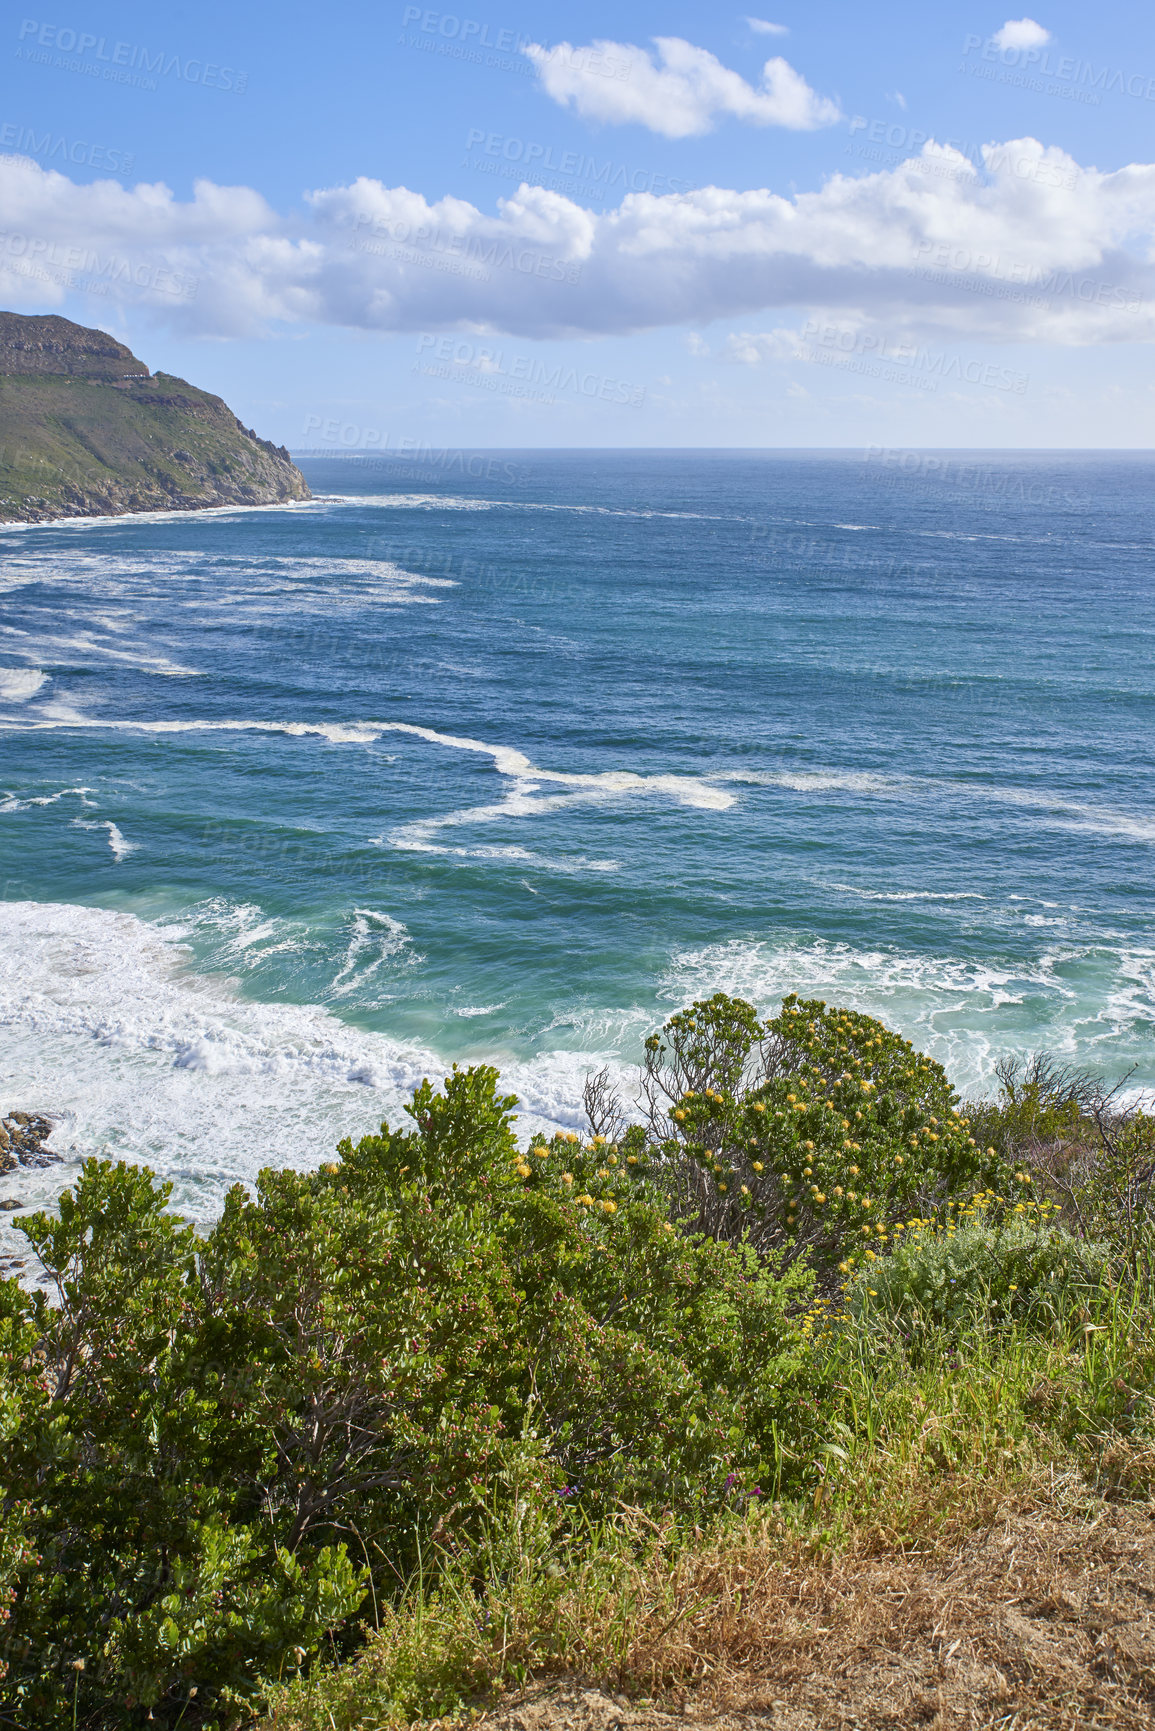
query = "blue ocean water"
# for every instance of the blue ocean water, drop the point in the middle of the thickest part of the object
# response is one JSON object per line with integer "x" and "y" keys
{"x": 506, "y": 755}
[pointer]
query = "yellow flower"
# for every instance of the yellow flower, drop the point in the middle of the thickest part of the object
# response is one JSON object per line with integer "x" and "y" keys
{"x": 541, "y": 1153}
{"x": 631, "y": 1159}
{"x": 598, "y": 1140}
{"x": 679, "y": 1115}
{"x": 610, "y": 1207}
{"x": 758, "y": 1106}
{"x": 898, "y": 1160}
{"x": 1012, "y": 1289}
{"x": 666, "y": 1227}
{"x": 853, "y": 1170}
{"x": 757, "y": 1165}
{"x": 567, "y": 1177}
{"x": 745, "y": 1190}
{"x": 721, "y": 1187}
{"x": 844, "y": 1268}
{"x": 872, "y": 1292}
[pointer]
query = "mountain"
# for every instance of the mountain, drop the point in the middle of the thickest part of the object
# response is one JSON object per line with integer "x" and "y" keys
{"x": 87, "y": 431}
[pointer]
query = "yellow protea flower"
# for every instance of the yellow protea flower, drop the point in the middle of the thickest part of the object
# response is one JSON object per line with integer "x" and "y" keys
{"x": 567, "y": 1177}
{"x": 757, "y": 1165}
{"x": 610, "y": 1207}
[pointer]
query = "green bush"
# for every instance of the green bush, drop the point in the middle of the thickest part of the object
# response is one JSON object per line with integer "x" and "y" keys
{"x": 220, "y": 1451}
{"x": 813, "y": 1131}
{"x": 983, "y": 1269}
{"x": 229, "y": 1446}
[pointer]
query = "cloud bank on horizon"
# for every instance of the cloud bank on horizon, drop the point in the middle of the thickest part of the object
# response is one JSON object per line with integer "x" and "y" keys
{"x": 1029, "y": 247}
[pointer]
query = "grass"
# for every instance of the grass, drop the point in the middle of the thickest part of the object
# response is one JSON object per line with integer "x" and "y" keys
{"x": 71, "y": 445}
{"x": 931, "y": 1472}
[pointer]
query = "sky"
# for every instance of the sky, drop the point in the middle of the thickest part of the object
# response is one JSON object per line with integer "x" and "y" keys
{"x": 387, "y": 227}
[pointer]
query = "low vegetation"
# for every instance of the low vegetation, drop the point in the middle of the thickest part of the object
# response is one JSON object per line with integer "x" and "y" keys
{"x": 453, "y": 1414}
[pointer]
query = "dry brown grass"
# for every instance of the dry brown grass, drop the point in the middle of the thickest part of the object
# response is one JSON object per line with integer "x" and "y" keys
{"x": 1045, "y": 1618}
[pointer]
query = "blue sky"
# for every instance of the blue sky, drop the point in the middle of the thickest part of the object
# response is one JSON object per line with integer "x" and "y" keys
{"x": 321, "y": 214}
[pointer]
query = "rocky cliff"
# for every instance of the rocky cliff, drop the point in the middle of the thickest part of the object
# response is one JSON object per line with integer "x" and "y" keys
{"x": 87, "y": 431}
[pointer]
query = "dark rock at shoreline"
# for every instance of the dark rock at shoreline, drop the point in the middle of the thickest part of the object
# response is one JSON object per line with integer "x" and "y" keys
{"x": 8, "y": 1203}
{"x": 23, "y": 1136}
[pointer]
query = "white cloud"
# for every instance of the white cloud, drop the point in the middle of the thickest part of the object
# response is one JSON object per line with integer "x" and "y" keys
{"x": 761, "y": 27}
{"x": 681, "y": 92}
{"x": 1021, "y": 33}
{"x": 752, "y": 348}
{"x": 1034, "y": 249}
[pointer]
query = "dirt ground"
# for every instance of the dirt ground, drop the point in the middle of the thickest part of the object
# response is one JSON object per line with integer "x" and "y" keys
{"x": 1046, "y": 1620}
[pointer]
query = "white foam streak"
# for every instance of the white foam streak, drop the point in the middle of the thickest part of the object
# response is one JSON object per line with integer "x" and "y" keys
{"x": 12, "y": 803}
{"x": 1055, "y": 809}
{"x": 120, "y": 847}
{"x": 375, "y": 938}
{"x": 18, "y": 684}
{"x": 521, "y": 802}
{"x": 456, "y": 502}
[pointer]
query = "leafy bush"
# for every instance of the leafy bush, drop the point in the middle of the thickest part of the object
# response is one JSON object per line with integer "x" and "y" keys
{"x": 979, "y": 1270}
{"x": 229, "y": 1445}
{"x": 813, "y": 1131}
{"x": 220, "y": 1450}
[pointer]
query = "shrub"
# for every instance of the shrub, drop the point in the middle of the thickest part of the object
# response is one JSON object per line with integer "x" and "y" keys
{"x": 229, "y": 1445}
{"x": 809, "y": 1133}
{"x": 983, "y": 1269}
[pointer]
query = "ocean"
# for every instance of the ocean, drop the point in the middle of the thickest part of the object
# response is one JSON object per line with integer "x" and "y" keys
{"x": 505, "y": 756}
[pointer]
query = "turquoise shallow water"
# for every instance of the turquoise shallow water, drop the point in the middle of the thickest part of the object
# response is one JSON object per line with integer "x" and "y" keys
{"x": 506, "y": 756}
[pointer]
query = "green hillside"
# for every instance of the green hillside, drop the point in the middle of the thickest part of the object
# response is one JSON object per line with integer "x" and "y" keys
{"x": 85, "y": 431}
